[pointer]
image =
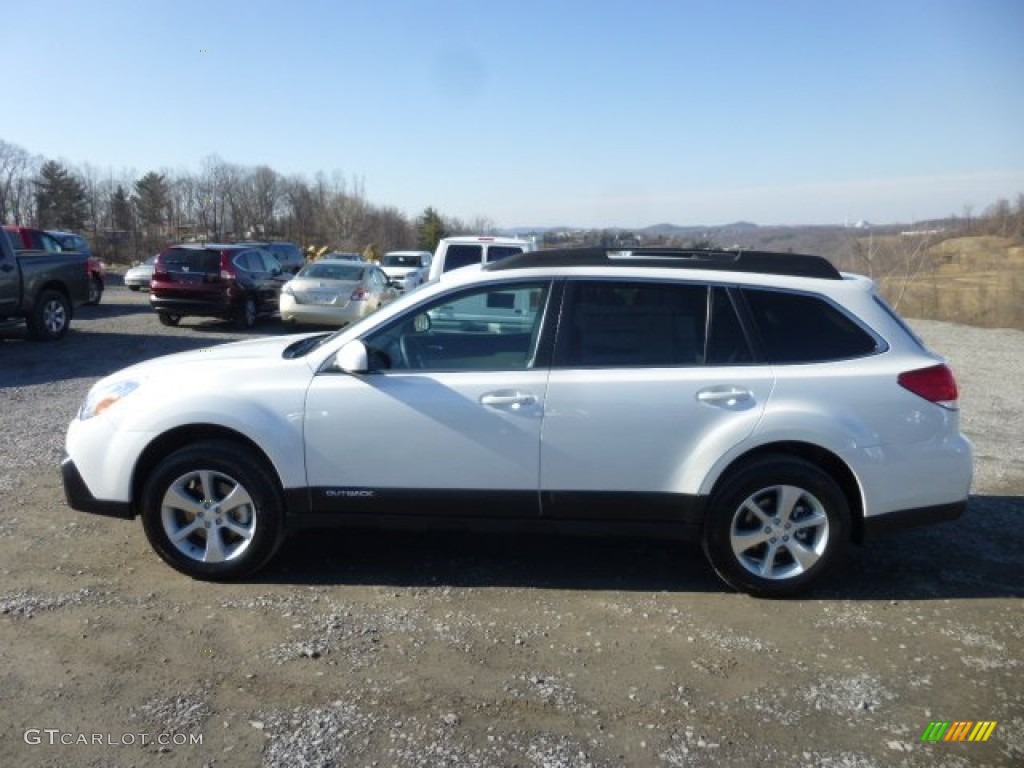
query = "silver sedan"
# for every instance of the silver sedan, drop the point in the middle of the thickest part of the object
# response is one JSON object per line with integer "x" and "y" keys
{"x": 335, "y": 293}
{"x": 138, "y": 277}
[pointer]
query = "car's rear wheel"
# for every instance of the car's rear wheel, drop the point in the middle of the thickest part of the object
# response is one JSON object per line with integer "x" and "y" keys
{"x": 50, "y": 318}
{"x": 211, "y": 511}
{"x": 169, "y": 318}
{"x": 246, "y": 317}
{"x": 776, "y": 527}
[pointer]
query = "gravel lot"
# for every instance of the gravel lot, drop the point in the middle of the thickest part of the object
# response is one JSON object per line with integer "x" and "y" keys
{"x": 429, "y": 650}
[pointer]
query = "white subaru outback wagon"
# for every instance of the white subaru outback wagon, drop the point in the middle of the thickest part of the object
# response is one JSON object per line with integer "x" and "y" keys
{"x": 764, "y": 404}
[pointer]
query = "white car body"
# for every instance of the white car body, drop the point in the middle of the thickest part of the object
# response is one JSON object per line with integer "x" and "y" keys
{"x": 591, "y": 441}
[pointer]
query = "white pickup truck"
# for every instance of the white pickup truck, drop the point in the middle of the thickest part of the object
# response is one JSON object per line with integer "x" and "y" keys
{"x": 463, "y": 250}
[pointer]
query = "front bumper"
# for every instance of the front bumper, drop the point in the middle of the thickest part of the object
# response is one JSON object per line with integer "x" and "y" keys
{"x": 80, "y": 498}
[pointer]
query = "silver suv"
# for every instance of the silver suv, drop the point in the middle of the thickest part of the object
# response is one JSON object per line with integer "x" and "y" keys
{"x": 763, "y": 404}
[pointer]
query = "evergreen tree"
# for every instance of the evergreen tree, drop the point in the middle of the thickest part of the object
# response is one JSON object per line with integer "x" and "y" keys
{"x": 60, "y": 198}
{"x": 151, "y": 200}
{"x": 120, "y": 210}
{"x": 430, "y": 229}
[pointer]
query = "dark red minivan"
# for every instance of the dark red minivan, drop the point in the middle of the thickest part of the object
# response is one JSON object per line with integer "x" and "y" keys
{"x": 233, "y": 282}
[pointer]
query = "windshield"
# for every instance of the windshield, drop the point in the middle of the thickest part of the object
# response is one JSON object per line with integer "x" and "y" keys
{"x": 400, "y": 260}
{"x": 191, "y": 260}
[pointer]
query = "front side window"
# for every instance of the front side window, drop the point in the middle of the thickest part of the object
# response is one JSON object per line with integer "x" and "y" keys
{"x": 488, "y": 328}
{"x": 797, "y": 328}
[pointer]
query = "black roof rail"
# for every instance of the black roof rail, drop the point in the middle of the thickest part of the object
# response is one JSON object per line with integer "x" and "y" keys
{"x": 763, "y": 262}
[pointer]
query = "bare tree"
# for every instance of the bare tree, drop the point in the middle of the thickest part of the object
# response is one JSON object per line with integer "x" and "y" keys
{"x": 17, "y": 169}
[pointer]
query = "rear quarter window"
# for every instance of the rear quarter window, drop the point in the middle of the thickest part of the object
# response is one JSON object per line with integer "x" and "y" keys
{"x": 797, "y": 328}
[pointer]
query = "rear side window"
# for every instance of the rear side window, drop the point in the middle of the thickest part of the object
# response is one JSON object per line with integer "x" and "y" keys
{"x": 796, "y": 328}
{"x": 634, "y": 325}
{"x": 462, "y": 256}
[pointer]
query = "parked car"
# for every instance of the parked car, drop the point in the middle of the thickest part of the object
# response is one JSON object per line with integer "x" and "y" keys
{"x": 69, "y": 241}
{"x": 40, "y": 286}
{"x": 335, "y": 292}
{"x": 289, "y": 255}
{"x": 398, "y": 265}
{"x": 234, "y": 282}
{"x": 138, "y": 277}
{"x": 341, "y": 256}
{"x": 763, "y": 404}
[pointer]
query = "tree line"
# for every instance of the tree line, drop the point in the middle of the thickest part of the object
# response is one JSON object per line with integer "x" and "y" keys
{"x": 127, "y": 216}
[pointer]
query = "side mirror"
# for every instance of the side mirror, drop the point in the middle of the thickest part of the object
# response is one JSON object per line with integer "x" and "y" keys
{"x": 352, "y": 358}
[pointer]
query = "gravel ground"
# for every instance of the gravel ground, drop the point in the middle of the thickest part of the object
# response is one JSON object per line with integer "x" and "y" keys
{"x": 456, "y": 650}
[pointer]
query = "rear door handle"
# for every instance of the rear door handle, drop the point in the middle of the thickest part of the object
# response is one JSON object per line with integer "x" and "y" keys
{"x": 726, "y": 397}
{"x": 507, "y": 398}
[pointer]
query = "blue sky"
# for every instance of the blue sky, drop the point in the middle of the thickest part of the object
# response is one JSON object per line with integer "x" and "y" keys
{"x": 600, "y": 113}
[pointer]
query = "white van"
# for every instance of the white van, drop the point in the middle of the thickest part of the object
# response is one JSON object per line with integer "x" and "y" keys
{"x": 455, "y": 252}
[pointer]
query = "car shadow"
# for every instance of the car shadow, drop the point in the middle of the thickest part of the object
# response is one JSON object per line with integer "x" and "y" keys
{"x": 463, "y": 559}
{"x": 979, "y": 556}
{"x": 86, "y": 354}
{"x": 101, "y": 311}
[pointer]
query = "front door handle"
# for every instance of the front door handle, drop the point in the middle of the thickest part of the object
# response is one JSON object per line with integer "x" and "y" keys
{"x": 507, "y": 398}
{"x": 736, "y": 398}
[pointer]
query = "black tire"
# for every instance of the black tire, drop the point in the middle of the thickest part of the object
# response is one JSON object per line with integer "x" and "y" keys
{"x": 215, "y": 542}
{"x": 50, "y": 318}
{"x": 246, "y": 317}
{"x": 168, "y": 319}
{"x": 133, "y": 288}
{"x": 800, "y": 533}
{"x": 95, "y": 290}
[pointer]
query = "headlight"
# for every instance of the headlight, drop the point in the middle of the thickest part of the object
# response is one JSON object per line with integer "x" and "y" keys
{"x": 102, "y": 397}
{"x": 287, "y": 289}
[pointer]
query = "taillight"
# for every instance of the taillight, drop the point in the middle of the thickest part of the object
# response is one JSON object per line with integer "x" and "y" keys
{"x": 935, "y": 383}
{"x": 359, "y": 294}
{"x": 227, "y": 269}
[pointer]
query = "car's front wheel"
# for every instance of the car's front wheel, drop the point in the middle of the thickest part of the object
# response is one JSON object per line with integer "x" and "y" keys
{"x": 776, "y": 526}
{"x": 211, "y": 511}
{"x": 169, "y": 319}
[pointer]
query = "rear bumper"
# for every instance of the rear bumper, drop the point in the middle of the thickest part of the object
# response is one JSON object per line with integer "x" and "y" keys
{"x": 912, "y": 518}
{"x": 80, "y": 498}
{"x": 321, "y": 314}
{"x": 194, "y": 308}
